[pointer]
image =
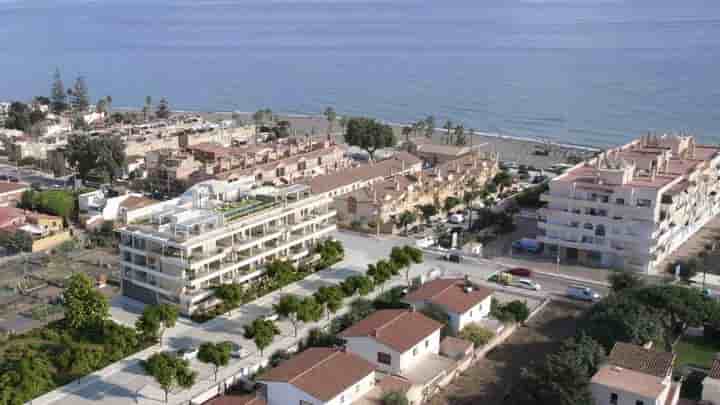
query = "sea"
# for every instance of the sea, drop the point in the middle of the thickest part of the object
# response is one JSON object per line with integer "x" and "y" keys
{"x": 589, "y": 72}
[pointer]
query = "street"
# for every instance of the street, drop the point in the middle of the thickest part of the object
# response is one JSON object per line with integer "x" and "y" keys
{"x": 125, "y": 380}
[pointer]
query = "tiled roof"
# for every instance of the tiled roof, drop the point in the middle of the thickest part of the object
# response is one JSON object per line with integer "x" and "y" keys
{"x": 451, "y": 344}
{"x": 134, "y": 202}
{"x": 640, "y": 359}
{"x": 643, "y": 384}
{"x": 321, "y": 372}
{"x": 383, "y": 168}
{"x": 398, "y": 329}
{"x": 451, "y": 294}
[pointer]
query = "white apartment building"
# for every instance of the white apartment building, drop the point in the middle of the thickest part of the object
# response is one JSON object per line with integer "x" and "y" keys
{"x": 632, "y": 206}
{"x": 195, "y": 242}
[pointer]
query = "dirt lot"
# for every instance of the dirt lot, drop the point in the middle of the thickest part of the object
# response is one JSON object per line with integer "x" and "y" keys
{"x": 494, "y": 380}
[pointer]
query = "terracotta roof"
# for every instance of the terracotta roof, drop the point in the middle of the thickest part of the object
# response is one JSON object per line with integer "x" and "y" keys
{"x": 383, "y": 168}
{"x": 640, "y": 359}
{"x": 398, "y": 329}
{"x": 640, "y": 383}
{"x": 451, "y": 294}
{"x": 715, "y": 369}
{"x": 248, "y": 399}
{"x": 321, "y": 372}
{"x": 134, "y": 202}
{"x": 7, "y": 187}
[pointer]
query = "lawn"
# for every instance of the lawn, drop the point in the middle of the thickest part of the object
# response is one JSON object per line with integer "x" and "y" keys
{"x": 696, "y": 350}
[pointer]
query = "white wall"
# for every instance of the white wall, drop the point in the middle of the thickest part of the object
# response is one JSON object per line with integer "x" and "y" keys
{"x": 368, "y": 349}
{"x": 410, "y": 358}
{"x": 474, "y": 315}
{"x": 601, "y": 394}
{"x": 711, "y": 390}
{"x": 354, "y": 392}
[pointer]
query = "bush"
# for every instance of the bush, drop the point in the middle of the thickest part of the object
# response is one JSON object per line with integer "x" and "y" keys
{"x": 514, "y": 311}
{"x": 477, "y": 334}
{"x": 394, "y": 398}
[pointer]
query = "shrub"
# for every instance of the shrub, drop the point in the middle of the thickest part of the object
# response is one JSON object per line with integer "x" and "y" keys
{"x": 476, "y": 334}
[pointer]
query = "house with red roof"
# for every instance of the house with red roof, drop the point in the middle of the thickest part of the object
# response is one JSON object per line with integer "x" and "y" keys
{"x": 463, "y": 302}
{"x": 319, "y": 376}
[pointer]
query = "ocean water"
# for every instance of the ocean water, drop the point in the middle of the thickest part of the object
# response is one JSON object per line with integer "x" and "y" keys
{"x": 595, "y": 72}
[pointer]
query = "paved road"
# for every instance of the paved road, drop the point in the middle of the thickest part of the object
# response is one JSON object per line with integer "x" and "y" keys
{"x": 124, "y": 382}
{"x": 30, "y": 176}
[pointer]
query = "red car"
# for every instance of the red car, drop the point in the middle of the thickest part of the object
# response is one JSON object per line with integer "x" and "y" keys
{"x": 520, "y": 272}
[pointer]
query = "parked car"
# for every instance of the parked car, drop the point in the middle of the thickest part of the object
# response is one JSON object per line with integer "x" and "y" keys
{"x": 13, "y": 179}
{"x": 453, "y": 257}
{"x": 424, "y": 242}
{"x": 456, "y": 218}
{"x": 528, "y": 245}
{"x": 238, "y": 351}
{"x": 3, "y": 177}
{"x": 188, "y": 353}
{"x": 527, "y": 284}
{"x": 271, "y": 317}
{"x": 579, "y": 292}
{"x": 520, "y": 272}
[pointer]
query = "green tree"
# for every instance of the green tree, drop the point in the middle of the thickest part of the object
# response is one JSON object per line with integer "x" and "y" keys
{"x": 620, "y": 317}
{"x": 217, "y": 354}
{"x": 155, "y": 319}
{"x": 362, "y": 285}
{"x": 451, "y": 202}
{"x": 406, "y": 131}
{"x": 288, "y": 308}
{"x": 231, "y": 294}
{"x": 85, "y": 307}
{"x": 280, "y": 272}
{"x": 331, "y": 117}
{"x": 429, "y": 126}
{"x": 330, "y": 297}
{"x": 369, "y": 135}
{"x": 309, "y": 310}
{"x": 416, "y": 257}
{"x": 476, "y": 334}
{"x": 163, "y": 109}
{"x": 394, "y": 398}
{"x": 502, "y": 179}
{"x": 79, "y": 97}
{"x": 448, "y": 128}
{"x": 460, "y": 138}
{"x": 513, "y": 311}
{"x": 623, "y": 280}
{"x": 169, "y": 371}
{"x": 58, "y": 96}
{"x": 105, "y": 154}
{"x": 262, "y": 332}
{"x": 428, "y": 211}
{"x": 24, "y": 379}
{"x": 405, "y": 219}
{"x": 147, "y": 108}
{"x": 18, "y": 117}
{"x": 564, "y": 377}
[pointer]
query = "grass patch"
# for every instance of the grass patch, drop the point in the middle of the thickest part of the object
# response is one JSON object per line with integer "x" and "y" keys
{"x": 696, "y": 350}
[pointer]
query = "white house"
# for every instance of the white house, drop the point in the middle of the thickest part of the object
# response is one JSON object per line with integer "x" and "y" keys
{"x": 635, "y": 375}
{"x": 394, "y": 340}
{"x": 463, "y": 302}
{"x": 711, "y": 384}
{"x": 319, "y": 376}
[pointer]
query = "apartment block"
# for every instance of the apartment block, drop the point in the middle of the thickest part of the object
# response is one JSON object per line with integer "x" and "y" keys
{"x": 214, "y": 235}
{"x": 630, "y": 207}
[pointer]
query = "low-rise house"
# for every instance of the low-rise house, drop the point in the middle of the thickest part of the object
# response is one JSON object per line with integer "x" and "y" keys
{"x": 11, "y": 193}
{"x": 230, "y": 399}
{"x": 395, "y": 340}
{"x": 635, "y": 375}
{"x": 711, "y": 383}
{"x": 319, "y": 376}
{"x": 169, "y": 170}
{"x": 463, "y": 302}
{"x": 433, "y": 154}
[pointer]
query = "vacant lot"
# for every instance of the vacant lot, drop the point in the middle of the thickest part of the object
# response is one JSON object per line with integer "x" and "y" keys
{"x": 494, "y": 380}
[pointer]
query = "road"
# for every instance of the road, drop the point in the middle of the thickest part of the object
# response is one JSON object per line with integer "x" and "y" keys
{"x": 124, "y": 382}
{"x": 31, "y": 176}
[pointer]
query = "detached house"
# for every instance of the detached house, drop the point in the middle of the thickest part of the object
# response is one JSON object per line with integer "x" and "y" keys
{"x": 395, "y": 340}
{"x": 319, "y": 376}
{"x": 635, "y": 375}
{"x": 463, "y": 302}
{"x": 711, "y": 383}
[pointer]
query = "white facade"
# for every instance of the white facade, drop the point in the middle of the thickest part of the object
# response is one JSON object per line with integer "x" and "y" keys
{"x": 369, "y": 348}
{"x": 603, "y": 395}
{"x": 711, "y": 390}
{"x": 183, "y": 252}
{"x": 458, "y": 321}
{"x": 631, "y": 207}
{"x": 283, "y": 393}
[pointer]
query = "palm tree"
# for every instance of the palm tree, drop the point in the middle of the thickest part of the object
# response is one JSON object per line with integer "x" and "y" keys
{"x": 460, "y": 135}
{"x": 448, "y": 127}
{"x": 406, "y": 131}
{"x": 331, "y": 116}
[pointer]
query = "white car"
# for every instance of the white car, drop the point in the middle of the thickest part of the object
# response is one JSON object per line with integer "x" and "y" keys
{"x": 425, "y": 242}
{"x": 238, "y": 351}
{"x": 188, "y": 353}
{"x": 456, "y": 218}
{"x": 528, "y": 284}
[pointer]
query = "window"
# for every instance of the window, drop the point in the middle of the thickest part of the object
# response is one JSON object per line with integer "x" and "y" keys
{"x": 643, "y": 202}
{"x": 305, "y": 402}
{"x": 427, "y": 342}
{"x": 620, "y": 201}
{"x": 613, "y": 398}
{"x": 415, "y": 351}
{"x": 639, "y": 403}
{"x": 384, "y": 358}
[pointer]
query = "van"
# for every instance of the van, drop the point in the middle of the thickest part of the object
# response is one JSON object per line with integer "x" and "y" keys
{"x": 582, "y": 293}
